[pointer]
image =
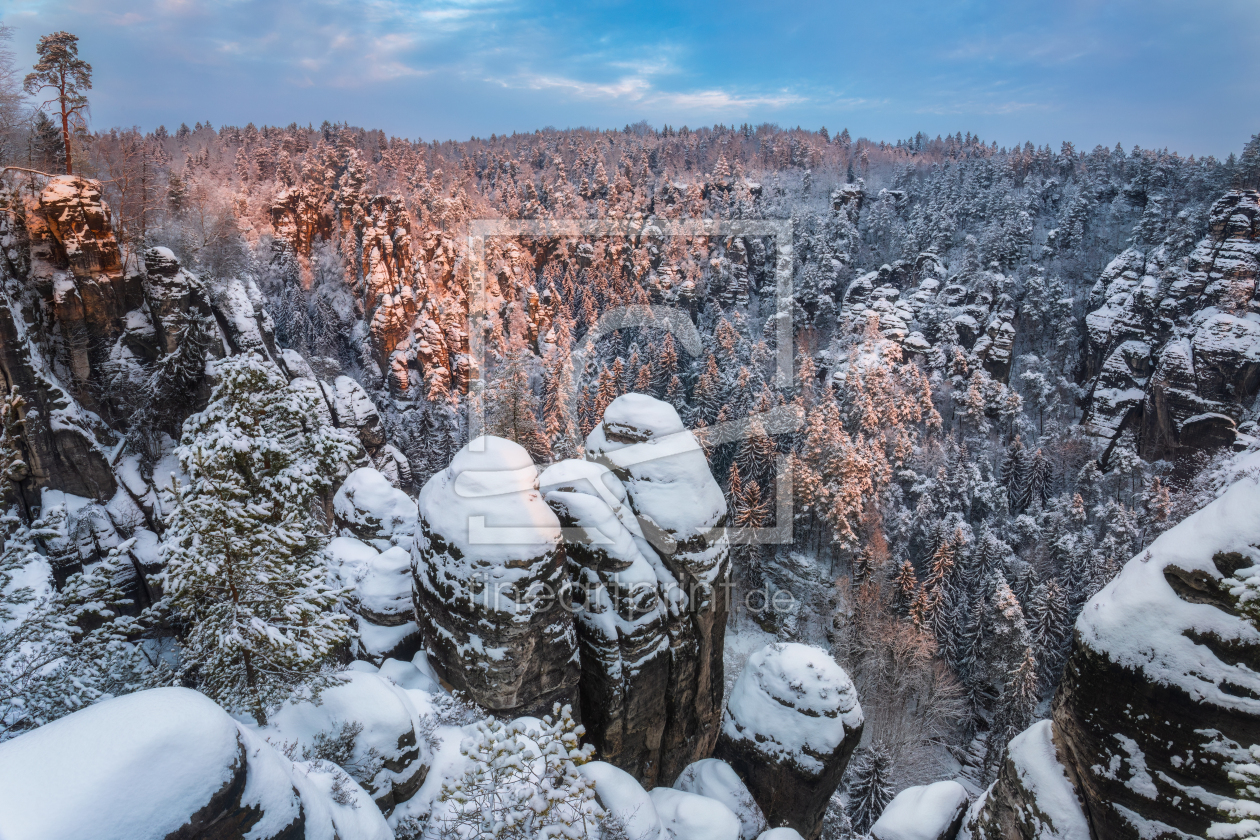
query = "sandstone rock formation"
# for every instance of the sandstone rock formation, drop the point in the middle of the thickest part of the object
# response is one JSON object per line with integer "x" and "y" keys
{"x": 688, "y": 816}
{"x": 368, "y": 507}
{"x": 1174, "y": 346}
{"x": 790, "y": 727}
{"x": 1033, "y": 797}
{"x": 380, "y": 600}
{"x": 619, "y": 615}
{"x": 715, "y": 779}
{"x": 491, "y": 582}
{"x": 190, "y": 771}
{"x": 977, "y": 311}
{"x": 682, "y": 514}
{"x": 388, "y": 754}
{"x": 1160, "y": 698}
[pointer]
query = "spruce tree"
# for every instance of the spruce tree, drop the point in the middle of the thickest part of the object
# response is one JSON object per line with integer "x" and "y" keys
{"x": 1016, "y": 476}
{"x": 13, "y": 467}
{"x": 870, "y": 790}
{"x": 1015, "y": 710}
{"x": 244, "y": 572}
{"x": 1048, "y": 628}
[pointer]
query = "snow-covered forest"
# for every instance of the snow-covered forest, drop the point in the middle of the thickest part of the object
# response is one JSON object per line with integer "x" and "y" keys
{"x": 258, "y": 380}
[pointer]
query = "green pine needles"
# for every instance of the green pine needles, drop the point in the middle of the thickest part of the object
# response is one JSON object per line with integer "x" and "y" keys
{"x": 245, "y": 574}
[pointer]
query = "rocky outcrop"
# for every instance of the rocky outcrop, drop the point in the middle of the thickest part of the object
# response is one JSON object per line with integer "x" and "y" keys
{"x": 1174, "y": 346}
{"x": 491, "y": 582}
{"x": 1160, "y": 698}
{"x": 619, "y": 616}
{"x": 369, "y": 507}
{"x": 972, "y": 311}
{"x": 681, "y": 513}
{"x": 790, "y": 727}
{"x": 1033, "y": 797}
{"x": 387, "y": 752}
{"x": 191, "y": 771}
{"x": 715, "y": 779}
{"x": 380, "y": 599}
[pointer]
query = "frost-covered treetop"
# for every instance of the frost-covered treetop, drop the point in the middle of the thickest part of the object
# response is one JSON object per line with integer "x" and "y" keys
{"x": 487, "y": 506}
{"x": 1139, "y": 621}
{"x": 794, "y": 703}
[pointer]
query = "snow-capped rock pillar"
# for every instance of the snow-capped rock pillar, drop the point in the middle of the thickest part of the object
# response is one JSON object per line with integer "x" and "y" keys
{"x": 619, "y": 615}
{"x": 491, "y": 584}
{"x": 790, "y": 727}
{"x": 681, "y": 511}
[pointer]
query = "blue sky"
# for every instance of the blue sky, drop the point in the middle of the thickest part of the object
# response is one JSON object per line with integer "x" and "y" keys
{"x": 1185, "y": 75}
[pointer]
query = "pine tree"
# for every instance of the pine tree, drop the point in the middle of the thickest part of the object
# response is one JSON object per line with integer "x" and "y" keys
{"x": 66, "y": 76}
{"x": 1004, "y": 634}
{"x": 1048, "y": 628}
{"x": 512, "y": 407}
{"x": 244, "y": 572}
{"x": 870, "y": 789}
{"x": 69, "y": 648}
{"x": 756, "y": 455}
{"x": 1015, "y": 710}
{"x": 506, "y": 796}
{"x": 1016, "y": 476}
{"x": 1039, "y": 479}
{"x": 905, "y": 587}
{"x": 13, "y": 467}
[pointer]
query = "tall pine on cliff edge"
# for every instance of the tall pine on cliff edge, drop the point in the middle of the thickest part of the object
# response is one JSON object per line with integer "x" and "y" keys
{"x": 244, "y": 573}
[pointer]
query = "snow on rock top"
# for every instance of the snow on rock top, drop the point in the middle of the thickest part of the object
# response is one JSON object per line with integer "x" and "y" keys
{"x": 370, "y": 507}
{"x": 644, "y": 441}
{"x": 1033, "y": 797}
{"x": 925, "y": 812}
{"x": 133, "y": 767}
{"x": 794, "y": 703}
{"x": 780, "y": 834}
{"x": 624, "y": 799}
{"x": 491, "y": 584}
{"x": 390, "y": 757}
{"x": 169, "y": 760}
{"x": 485, "y": 505}
{"x": 687, "y": 816}
{"x": 1140, "y": 621}
{"x": 715, "y": 779}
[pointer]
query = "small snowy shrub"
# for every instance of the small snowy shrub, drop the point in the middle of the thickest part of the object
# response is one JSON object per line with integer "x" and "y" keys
{"x": 522, "y": 783}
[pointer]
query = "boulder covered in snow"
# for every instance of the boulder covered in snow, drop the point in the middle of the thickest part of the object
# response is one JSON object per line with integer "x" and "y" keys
{"x": 689, "y": 816}
{"x": 369, "y": 507}
{"x": 169, "y": 763}
{"x": 780, "y": 834}
{"x": 491, "y": 582}
{"x": 924, "y": 812}
{"x": 715, "y": 779}
{"x": 790, "y": 727}
{"x": 380, "y": 597}
{"x": 368, "y": 722}
{"x": 1161, "y": 693}
{"x": 682, "y": 514}
{"x": 1032, "y": 799}
{"x": 624, "y": 800}
{"x": 352, "y": 408}
{"x": 619, "y": 616}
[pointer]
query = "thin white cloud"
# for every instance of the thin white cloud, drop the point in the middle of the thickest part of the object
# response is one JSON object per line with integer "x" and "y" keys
{"x": 640, "y": 91}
